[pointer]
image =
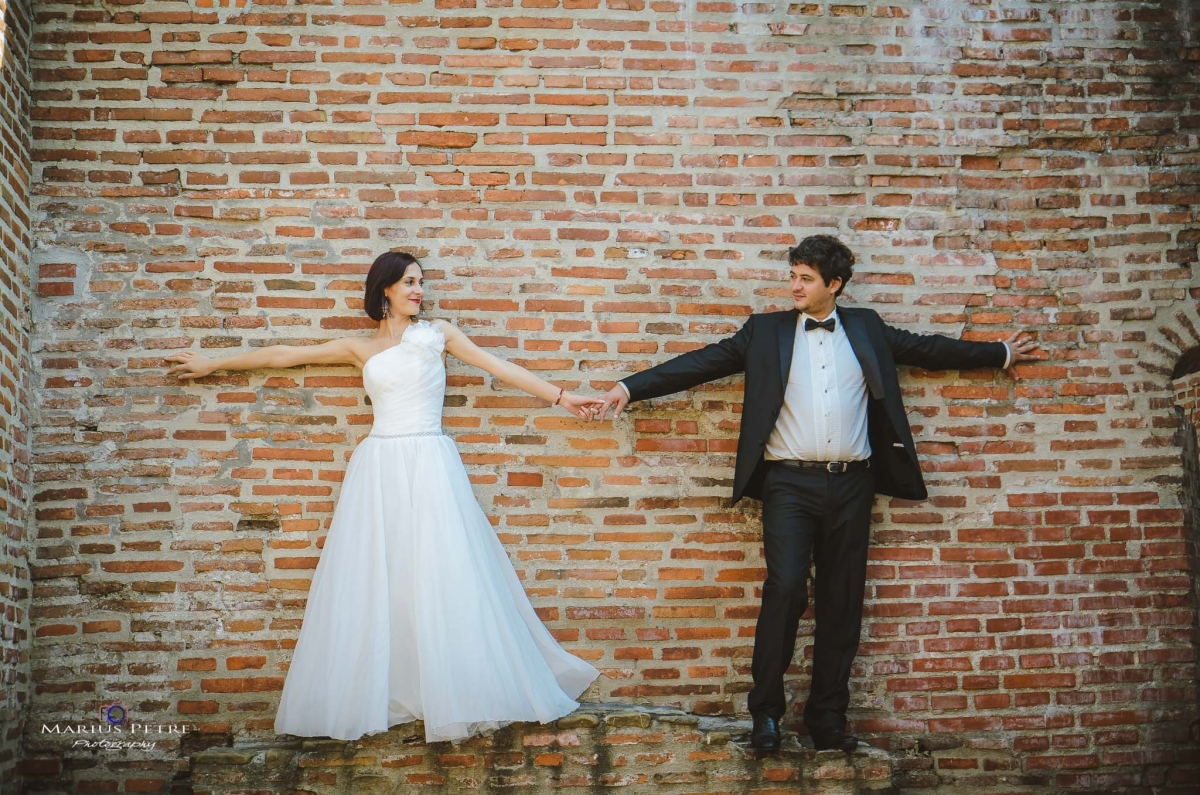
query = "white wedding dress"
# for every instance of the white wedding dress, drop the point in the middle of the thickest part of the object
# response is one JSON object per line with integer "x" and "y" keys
{"x": 415, "y": 611}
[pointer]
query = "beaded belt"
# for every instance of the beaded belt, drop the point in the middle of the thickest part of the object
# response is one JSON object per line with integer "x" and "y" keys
{"x": 402, "y": 435}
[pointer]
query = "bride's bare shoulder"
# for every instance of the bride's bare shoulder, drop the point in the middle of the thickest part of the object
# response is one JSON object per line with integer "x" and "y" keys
{"x": 359, "y": 348}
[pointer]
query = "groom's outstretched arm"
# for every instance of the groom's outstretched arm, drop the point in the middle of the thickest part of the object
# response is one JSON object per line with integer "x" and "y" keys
{"x": 718, "y": 360}
{"x": 938, "y": 352}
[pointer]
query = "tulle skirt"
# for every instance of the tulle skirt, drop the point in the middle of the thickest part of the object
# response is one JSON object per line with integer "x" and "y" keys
{"x": 415, "y": 611}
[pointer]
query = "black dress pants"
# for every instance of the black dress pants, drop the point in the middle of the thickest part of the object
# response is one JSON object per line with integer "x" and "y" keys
{"x": 812, "y": 515}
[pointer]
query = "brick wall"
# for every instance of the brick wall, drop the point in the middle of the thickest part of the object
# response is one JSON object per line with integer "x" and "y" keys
{"x": 16, "y": 284}
{"x": 594, "y": 187}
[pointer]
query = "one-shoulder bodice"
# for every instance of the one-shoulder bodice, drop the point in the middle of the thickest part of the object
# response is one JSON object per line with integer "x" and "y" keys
{"x": 407, "y": 382}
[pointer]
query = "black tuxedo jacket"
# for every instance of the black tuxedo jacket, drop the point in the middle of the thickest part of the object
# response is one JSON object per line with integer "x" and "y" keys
{"x": 762, "y": 349}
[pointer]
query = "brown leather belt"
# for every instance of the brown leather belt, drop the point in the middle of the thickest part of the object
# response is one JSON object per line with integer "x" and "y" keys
{"x": 836, "y": 467}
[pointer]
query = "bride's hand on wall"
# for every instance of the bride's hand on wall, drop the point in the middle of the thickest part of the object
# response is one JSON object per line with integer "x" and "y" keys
{"x": 191, "y": 364}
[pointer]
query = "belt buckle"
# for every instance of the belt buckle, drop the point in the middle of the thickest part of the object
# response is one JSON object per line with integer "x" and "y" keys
{"x": 841, "y": 467}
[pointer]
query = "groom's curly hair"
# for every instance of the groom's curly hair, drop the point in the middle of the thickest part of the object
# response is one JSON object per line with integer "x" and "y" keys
{"x": 387, "y": 269}
{"x": 827, "y": 255}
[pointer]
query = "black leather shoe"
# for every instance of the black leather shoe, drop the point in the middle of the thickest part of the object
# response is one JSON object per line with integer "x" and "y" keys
{"x": 765, "y": 734}
{"x": 836, "y": 740}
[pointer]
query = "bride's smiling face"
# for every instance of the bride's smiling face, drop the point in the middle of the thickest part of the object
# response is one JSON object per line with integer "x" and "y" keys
{"x": 404, "y": 297}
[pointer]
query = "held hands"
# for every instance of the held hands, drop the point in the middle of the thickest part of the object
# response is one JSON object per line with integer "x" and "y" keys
{"x": 614, "y": 397}
{"x": 582, "y": 407}
{"x": 192, "y": 364}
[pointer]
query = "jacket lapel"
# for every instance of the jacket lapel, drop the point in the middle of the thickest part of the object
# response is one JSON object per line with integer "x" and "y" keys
{"x": 787, "y": 341}
{"x": 860, "y": 341}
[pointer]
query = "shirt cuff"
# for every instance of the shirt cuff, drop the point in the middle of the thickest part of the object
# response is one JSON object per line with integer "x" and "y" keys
{"x": 622, "y": 385}
{"x": 1007, "y": 355}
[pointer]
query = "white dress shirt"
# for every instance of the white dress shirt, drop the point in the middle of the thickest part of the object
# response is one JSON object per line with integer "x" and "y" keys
{"x": 824, "y": 414}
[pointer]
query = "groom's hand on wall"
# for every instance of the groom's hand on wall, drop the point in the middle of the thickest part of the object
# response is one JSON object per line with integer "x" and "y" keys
{"x": 616, "y": 397}
{"x": 1023, "y": 349}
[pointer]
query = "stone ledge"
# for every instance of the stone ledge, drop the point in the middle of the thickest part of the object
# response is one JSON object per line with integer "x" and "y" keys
{"x": 599, "y": 747}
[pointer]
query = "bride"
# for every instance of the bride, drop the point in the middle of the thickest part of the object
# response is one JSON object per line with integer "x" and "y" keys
{"x": 415, "y": 611}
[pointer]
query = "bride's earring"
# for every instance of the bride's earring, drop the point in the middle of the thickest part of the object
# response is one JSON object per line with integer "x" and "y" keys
{"x": 386, "y": 309}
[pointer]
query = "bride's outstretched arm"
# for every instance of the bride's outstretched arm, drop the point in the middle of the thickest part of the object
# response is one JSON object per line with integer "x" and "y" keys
{"x": 461, "y": 347}
{"x": 196, "y": 365}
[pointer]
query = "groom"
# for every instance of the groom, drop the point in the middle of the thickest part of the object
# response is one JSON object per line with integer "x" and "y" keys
{"x": 823, "y": 428}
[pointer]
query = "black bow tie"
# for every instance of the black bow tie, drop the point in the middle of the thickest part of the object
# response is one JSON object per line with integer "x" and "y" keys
{"x": 827, "y": 324}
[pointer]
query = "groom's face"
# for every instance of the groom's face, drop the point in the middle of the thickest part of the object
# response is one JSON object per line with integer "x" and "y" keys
{"x": 810, "y": 293}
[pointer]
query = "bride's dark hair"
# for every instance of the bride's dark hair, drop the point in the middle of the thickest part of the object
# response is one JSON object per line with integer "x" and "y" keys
{"x": 387, "y": 269}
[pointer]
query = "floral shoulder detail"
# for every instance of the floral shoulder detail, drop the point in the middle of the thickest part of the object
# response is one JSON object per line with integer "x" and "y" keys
{"x": 428, "y": 334}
